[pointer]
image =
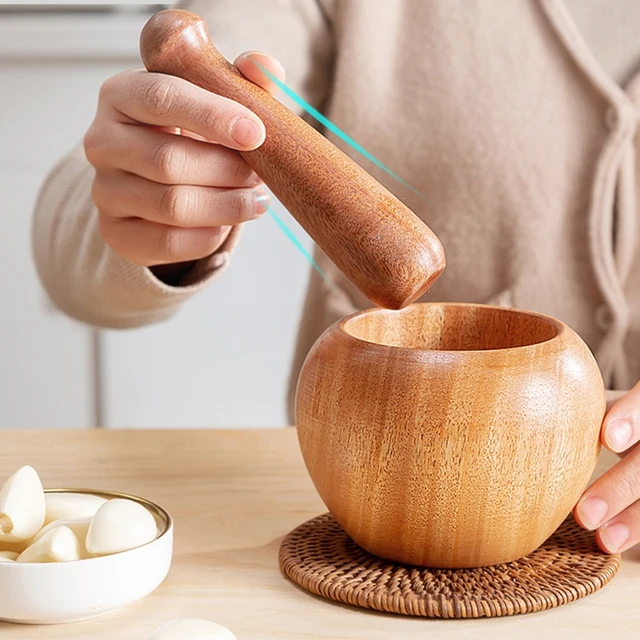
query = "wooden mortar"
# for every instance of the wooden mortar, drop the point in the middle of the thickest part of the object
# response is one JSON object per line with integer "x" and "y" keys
{"x": 388, "y": 253}
{"x": 450, "y": 435}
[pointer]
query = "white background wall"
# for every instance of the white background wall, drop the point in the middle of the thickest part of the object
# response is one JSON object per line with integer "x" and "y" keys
{"x": 222, "y": 362}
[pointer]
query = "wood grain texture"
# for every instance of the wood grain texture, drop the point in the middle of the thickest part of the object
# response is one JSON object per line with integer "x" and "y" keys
{"x": 450, "y": 435}
{"x": 389, "y": 253}
{"x": 234, "y": 495}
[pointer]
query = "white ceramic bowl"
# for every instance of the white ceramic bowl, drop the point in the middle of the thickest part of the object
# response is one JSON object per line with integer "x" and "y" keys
{"x": 52, "y": 593}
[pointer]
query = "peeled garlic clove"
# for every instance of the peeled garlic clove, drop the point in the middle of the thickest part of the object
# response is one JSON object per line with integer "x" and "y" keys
{"x": 119, "y": 525}
{"x": 71, "y": 506}
{"x": 79, "y": 526}
{"x": 192, "y": 629}
{"x": 22, "y": 506}
{"x": 57, "y": 545}
{"x": 7, "y": 556}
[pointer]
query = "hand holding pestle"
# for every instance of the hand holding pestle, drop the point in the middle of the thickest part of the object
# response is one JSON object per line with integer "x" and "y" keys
{"x": 386, "y": 251}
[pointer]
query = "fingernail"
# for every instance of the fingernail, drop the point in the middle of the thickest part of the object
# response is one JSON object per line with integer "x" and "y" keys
{"x": 592, "y": 512}
{"x": 614, "y": 536}
{"x": 262, "y": 200}
{"x": 618, "y": 434}
{"x": 246, "y": 132}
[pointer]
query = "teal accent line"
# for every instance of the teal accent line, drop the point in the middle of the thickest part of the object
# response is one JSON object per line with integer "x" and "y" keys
{"x": 296, "y": 242}
{"x": 332, "y": 127}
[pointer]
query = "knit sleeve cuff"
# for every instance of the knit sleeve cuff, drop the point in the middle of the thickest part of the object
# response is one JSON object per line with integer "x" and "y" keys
{"x": 201, "y": 272}
{"x": 84, "y": 277}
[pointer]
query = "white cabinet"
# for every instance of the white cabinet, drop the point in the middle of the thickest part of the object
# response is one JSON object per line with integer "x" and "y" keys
{"x": 222, "y": 362}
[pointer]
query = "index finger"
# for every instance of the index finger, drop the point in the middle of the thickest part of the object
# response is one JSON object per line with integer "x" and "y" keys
{"x": 168, "y": 101}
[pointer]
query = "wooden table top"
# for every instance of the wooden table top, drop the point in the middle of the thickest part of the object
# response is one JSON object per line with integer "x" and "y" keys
{"x": 233, "y": 496}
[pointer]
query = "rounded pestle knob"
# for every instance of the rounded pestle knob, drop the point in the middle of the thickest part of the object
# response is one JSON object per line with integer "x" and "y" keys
{"x": 386, "y": 251}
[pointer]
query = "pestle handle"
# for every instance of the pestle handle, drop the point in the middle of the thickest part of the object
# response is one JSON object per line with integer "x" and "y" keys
{"x": 386, "y": 251}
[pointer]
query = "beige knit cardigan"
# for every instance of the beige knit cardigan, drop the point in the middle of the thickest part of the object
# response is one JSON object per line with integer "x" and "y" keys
{"x": 498, "y": 112}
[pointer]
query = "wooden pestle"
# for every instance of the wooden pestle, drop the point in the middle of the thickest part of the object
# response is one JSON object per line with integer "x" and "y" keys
{"x": 386, "y": 251}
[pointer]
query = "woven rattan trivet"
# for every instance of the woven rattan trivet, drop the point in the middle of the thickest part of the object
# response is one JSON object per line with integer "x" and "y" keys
{"x": 320, "y": 557}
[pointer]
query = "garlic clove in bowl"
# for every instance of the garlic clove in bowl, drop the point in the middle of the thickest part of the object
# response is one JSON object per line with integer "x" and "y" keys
{"x": 8, "y": 556}
{"x": 71, "y": 506}
{"x": 59, "y": 544}
{"x": 22, "y": 506}
{"x": 79, "y": 526}
{"x": 120, "y": 525}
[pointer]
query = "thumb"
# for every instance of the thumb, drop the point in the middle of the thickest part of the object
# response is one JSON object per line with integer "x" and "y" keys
{"x": 249, "y": 64}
